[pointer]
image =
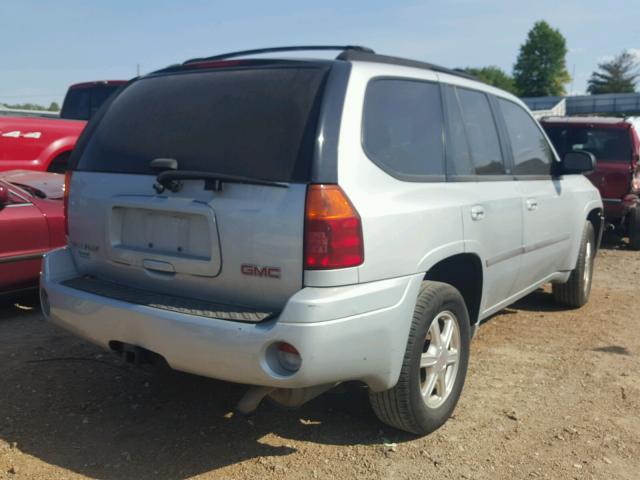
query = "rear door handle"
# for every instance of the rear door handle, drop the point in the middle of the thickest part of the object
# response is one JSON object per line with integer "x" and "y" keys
{"x": 532, "y": 204}
{"x": 477, "y": 212}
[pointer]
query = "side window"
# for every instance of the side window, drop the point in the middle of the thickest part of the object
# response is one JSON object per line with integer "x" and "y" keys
{"x": 481, "y": 132}
{"x": 459, "y": 161}
{"x": 531, "y": 151}
{"x": 402, "y": 127}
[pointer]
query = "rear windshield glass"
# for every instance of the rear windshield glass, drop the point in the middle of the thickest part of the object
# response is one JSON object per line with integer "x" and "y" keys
{"x": 99, "y": 95}
{"x": 83, "y": 102}
{"x": 77, "y": 104}
{"x": 254, "y": 122}
{"x": 606, "y": 144}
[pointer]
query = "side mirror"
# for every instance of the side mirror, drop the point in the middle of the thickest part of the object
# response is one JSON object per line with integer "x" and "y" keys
{"x": 578, "y": 161}
{"x": 4, "y": 196}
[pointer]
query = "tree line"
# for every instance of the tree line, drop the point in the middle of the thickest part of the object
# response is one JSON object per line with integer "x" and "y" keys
{"x": 540, "y": 69}
{"x": 53, "y": 106}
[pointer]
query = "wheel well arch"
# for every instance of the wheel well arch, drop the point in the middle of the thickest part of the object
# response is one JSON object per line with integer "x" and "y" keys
{"x": 464, "y": 272}
{"x": 60, "y": 162}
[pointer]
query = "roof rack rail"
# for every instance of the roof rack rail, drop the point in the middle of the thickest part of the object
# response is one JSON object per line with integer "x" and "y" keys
{"x": 241, "y": 53}
{"x": 365, "y": 56}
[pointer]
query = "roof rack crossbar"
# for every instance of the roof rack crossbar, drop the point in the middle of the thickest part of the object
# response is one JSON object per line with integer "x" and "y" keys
{"x": 242, "y": 53}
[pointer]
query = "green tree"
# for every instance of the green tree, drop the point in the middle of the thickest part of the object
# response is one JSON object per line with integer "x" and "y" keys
{"x": 616, "y": 76}
{"x": 493, "y": 75}
{"x": 54, "y": 107}
{"x": 540, "y": 69}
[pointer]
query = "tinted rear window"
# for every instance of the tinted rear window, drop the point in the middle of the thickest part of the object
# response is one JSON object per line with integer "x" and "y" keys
{"x": 83, "y": 102}
{"x": 77, "y": 104}
{"x": 99, "y": 95}
{"x": 607, "y": 144}
{"x": 258, "y": 123}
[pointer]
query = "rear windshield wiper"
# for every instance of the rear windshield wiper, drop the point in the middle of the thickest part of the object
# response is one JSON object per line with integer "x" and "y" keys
{"x": 171, "y": 179}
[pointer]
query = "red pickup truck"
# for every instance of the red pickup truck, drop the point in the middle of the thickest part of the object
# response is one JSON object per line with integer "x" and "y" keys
{"x": 616, "y": 145}
{"x": 30, "y": 143}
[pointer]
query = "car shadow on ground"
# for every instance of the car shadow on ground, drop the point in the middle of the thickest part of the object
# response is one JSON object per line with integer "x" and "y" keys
{"x": 537, "y": 301}
{"x": 72, "y": 405}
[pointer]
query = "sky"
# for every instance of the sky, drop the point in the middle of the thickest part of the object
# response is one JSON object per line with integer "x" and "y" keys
{"x": 45, "y": 46}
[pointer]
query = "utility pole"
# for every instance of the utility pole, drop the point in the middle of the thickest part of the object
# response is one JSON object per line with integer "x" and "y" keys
{"x": 137, "y": 69}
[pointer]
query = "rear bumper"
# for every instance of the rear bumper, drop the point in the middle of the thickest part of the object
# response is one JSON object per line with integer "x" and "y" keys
{"x": 356, "y": 332}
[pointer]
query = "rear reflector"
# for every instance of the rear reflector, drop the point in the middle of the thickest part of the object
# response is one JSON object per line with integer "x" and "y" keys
{"x": 332, "y": 230}
{"x": 67, "y": 185}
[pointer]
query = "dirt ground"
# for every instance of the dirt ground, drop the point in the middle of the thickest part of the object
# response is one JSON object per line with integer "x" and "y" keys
{"x": 550, "y": 393}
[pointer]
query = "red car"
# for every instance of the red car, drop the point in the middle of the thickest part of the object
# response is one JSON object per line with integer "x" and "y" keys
{"x": 31, "y": 223}
{"x": 46, "y": 143}
{"x": 616, "y": 146}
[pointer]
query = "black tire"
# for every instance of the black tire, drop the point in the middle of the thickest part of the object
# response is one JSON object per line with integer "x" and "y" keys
{"x": 404, "y": 406}
{"x": 575, "y": 293}
{"x": 634, "y": 228}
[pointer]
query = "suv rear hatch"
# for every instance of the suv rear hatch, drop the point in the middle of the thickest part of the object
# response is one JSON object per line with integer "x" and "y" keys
{"x": 234, "y": 242}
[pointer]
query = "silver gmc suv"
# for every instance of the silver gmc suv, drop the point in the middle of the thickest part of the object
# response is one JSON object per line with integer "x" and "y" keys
{"x": 294, "y": 223}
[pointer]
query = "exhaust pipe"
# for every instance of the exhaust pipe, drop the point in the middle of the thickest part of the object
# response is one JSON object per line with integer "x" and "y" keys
{"x": 285, "y": 397}
{"x": 134, "y": 355}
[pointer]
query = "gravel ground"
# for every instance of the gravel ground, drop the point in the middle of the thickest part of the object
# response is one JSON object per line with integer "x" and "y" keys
{"x": 550, "y": 393}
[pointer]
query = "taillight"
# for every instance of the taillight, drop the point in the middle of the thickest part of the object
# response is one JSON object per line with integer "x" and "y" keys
{"x": 332, "y": 230}
{"x": 67, "y": 185}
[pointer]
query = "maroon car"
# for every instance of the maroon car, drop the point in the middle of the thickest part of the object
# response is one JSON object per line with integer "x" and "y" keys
{"x": 616, "y": 146}
{"x": 31, "y": 223}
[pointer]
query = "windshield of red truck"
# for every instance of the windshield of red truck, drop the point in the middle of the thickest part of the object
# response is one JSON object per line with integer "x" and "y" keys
{"x": 607, "y": 144}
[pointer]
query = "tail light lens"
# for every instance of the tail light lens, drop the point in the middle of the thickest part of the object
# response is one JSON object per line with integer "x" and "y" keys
{"x": 332, "y": 230}
{"x": 67, "y": 185}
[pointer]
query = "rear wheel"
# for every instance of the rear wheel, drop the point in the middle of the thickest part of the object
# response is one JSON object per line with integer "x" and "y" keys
{"x": 575, "y": 292}
{"x": 634, "y": 228}
{"x": 434, "y": 366}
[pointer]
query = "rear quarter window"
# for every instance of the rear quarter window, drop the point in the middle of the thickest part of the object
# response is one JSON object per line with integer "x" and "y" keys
{"x": 402, "y": 130}
{"x": 252, "y": 122}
